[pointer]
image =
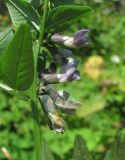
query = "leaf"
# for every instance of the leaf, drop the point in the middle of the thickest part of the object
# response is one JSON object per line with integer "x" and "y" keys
{"x": 5, "y": 87}
{"x": 19, "y": 94}
{"x": 57, "y": 2}
{"x": 17, "y": 64}
{"x": 81, "y": 151}
{"x": 22, "y": 12}
{"x": 95, "y": 103}
{"x": 62, "y": 17}
{"x": 5, "y": 37}
{"x": 34, "y": 3}
{"x": 46, "y": 153}
{"x": 108, "y": 156}
{"x": 117, "y": 151}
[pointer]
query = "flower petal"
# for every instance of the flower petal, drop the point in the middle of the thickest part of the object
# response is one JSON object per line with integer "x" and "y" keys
{"x": 81, "y": 33}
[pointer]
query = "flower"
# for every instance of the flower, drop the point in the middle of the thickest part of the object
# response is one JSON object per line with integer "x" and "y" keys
{"x": 52, "y": 101}
{"x": 78, "y": 40}
{"x": 61, "y": 101}
{"x": 56, "y": 122}
{"x": 67, "y": 73}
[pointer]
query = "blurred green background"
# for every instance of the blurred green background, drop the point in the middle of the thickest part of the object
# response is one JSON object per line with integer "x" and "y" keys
{"x": 101, "y": 90}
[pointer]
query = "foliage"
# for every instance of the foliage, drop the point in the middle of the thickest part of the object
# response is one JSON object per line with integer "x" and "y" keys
{"x": 18, "y": 59}
{"x": 80, "y": 151}
{"x": 5, "y": 38}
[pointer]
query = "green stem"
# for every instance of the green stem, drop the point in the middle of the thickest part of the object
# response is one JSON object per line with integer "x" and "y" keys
{"x": 34, "y": 103}
{"x": 35, "y": 110}
{"x": 43, "y": 22}
{"x": 37, "y": 131}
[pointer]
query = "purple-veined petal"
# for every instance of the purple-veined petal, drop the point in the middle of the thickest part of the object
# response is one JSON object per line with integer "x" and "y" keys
{"x": 71, "y": 64}
{"x": 75, "y": 76}
{"x": 81, "y": 33}
{"x": 65, "y": 95}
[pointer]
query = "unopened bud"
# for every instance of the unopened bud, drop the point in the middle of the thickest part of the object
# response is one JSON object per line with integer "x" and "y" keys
{"x": 58, "y": 123}
{"x": 49, "y": 108}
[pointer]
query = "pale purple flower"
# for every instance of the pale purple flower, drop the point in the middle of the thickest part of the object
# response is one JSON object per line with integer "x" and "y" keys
{"x": 78, "y": 40}
{"x": 68, "y": 73}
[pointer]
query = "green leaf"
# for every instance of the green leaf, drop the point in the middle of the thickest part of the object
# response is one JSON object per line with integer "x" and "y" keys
{"x": 17, "y": 64}
{"x": 117, "y": 151}
{"x": 46, "y": 153}
{"x": 108, "y": 156}
{"x": 22, "y": 12}
{"x": 81, "y": 151}
{"x": 5, "y": 37}
{"x": 34, "y": 3}
{"x": 5, "y": 87}
{"x": 63, "y": 2}
{"x": 60, "y": 18}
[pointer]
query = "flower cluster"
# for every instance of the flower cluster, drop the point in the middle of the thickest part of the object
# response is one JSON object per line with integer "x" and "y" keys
{"x": 52, "y": 101}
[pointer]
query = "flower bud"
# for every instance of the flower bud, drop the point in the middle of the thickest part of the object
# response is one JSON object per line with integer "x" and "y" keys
{"x": 58, "y": 123}
{"x": 55, "y": 121}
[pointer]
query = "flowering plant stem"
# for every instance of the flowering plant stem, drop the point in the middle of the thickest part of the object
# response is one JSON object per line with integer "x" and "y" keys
{"x": 43, "y": 22}
{"x": 37, "y": 130}
{"x": 34, "y": 103}
{"x": 35, "y": 111}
